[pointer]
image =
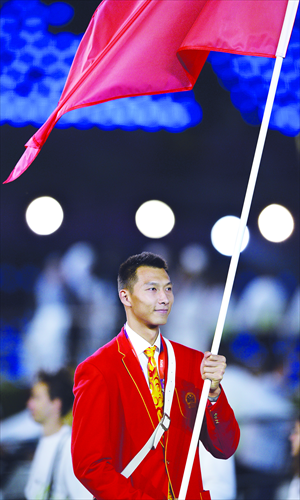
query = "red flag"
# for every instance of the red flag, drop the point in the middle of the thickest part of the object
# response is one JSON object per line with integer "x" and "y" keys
{"x": 139, "y": 47}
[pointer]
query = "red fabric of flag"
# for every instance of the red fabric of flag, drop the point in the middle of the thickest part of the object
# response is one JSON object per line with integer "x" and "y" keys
{"x": 139, "y": 47}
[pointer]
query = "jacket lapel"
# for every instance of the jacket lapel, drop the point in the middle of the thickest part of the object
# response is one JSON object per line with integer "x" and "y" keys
{"x": 166, "y": 360}
{"x": 132, "y": 366}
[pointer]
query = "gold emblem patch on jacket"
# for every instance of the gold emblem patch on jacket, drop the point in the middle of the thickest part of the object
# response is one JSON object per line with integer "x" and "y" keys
{"x": 190, "y": 399}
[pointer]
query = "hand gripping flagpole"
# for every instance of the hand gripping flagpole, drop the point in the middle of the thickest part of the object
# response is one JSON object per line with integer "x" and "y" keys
{"x": 280, "y": 54}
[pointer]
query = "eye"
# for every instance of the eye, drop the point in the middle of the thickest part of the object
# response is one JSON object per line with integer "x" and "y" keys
{"x": 152, "y": 288}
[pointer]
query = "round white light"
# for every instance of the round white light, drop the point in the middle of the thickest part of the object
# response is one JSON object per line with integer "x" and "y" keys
{"x": 44, "y": 215}
{"x": 224, "y": 233}
{"x": 276, "y": 223}
{"x": 154, "y": 219}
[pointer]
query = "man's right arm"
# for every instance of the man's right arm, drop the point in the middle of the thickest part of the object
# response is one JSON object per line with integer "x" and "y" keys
{"x": 92, "y": 452}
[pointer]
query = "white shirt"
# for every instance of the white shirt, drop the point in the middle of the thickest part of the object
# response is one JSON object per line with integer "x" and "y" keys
{"x": 294, "y": 489}
{"x": 139, "y": 344}
{"x": 65, "y": 485}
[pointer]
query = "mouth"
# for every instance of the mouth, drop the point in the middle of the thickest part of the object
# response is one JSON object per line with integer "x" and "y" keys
{"x": 162, "y": 311}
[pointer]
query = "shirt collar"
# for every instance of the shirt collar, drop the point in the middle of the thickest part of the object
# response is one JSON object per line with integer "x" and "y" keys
{"x": 139, "y": 344}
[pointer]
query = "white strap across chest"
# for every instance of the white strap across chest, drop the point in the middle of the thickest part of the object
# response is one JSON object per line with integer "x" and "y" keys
{"x": 165, "y": 421}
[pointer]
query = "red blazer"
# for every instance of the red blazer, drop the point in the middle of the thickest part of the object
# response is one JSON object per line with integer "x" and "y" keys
{"x": 114, "y": 416}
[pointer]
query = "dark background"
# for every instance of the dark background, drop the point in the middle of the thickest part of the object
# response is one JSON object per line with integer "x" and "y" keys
{"x": 102, "y": 177}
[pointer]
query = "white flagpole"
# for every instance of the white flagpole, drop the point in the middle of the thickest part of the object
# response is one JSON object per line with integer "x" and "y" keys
{"x": 280, "y": 54}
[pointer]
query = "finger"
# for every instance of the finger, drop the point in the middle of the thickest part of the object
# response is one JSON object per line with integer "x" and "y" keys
{"x": 215, "y": 373}
{"x": 216, "y": 357}
{"x": 214, "y": 361}
{"x": 214, "y": 369}
{"x": 211, "y": 377}
{"x": 214, "y": 364}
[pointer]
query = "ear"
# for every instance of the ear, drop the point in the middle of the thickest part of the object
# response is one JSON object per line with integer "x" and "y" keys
{"x": 125, "y": 297}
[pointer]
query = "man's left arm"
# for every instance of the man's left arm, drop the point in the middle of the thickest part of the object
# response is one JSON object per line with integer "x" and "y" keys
{"x": 220, "y": 433}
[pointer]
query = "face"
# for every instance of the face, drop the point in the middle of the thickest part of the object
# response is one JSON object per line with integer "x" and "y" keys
{"x": 39, "y": 404}
{"x": 151, "y": 298}
{"x": 295, "y": 440}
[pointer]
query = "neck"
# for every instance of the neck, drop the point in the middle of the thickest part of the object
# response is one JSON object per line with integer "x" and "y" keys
{"x": 51, "y": 427}
{"x": 146, "y": 332}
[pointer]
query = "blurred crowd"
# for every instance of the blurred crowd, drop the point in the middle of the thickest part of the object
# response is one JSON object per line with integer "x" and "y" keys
{"x": 76, "y": 311}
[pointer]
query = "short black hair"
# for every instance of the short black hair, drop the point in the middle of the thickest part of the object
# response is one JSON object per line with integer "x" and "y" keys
{"x": 60, "y": 386}
{"x": 127, "y": 272}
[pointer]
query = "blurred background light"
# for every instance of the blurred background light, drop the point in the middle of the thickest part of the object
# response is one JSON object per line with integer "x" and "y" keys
{"x": 194, "y": 258}
{"x": 44, "y": 215}
{"x": 276, "y": 223}
{"x": 224, "y": 233}
{"x": 155, "y": 219}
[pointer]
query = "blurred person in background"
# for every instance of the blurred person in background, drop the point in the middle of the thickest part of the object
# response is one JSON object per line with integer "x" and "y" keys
{"x": 45, "y": 336}
{"x": 51, "y": 475}
{"x": 294, "y": 487}
{"x": 91, "y": 301}
{"x": 264, "y": 413}
{"x": 75, "y": 309}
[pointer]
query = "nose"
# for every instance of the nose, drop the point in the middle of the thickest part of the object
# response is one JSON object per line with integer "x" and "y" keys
{"x": 163, "y": 298}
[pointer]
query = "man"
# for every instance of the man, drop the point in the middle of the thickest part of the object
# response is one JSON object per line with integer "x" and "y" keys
{"x": 294, "y": 487}
{"x": 115, "y": 413}
{"x": 51, "y": 475}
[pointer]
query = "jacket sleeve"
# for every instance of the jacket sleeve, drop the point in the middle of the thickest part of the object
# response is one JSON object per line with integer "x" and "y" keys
{"x": 220, "y": 432}
{"x": 92, "y": 452}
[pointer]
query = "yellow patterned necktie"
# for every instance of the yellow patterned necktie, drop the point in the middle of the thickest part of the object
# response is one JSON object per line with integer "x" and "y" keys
{"x": 156, "y": 390}
{"x": 154, "y": 382}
